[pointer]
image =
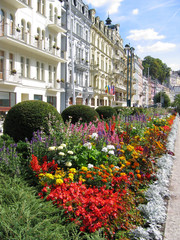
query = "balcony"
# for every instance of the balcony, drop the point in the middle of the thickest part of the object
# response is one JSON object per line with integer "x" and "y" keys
{"x": 10, "y": 79}
{"x": 17, "y": 3}
{"x": 26, "y": 43}
{"x": 94, "y": 67}
{"x": 56, "y": 25}
{"x": 120, "y": 87}
{"x": 81, "y": 65}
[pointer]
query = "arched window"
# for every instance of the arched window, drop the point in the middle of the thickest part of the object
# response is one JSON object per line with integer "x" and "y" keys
{"x": 55, "y": 15}
{"x": 1, "y": 22}
{"x": 50, "y": 12}
{"x": 29, "y": 32}
{"x": 23, "y": 29}
{"x": 50, "y": 42}
{"x": 43, "y": 39}
{"x": 11, "y": 24}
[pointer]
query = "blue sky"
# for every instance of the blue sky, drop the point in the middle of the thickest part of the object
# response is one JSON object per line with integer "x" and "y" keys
{"x": 152, "y": 27}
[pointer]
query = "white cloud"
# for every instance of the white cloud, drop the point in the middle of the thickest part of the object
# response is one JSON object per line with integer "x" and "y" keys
{"x": 135, "y": 11}
{"x": 144, "y": 34}
{"x": 111, "y": 6}
{"x": 157, "y": 47}
{"x": 174, "y": 66}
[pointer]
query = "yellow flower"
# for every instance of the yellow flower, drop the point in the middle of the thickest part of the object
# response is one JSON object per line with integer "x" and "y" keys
{"x": 81, "y": 179}
{"x": 49, "y": 175}
{"x": 122, "y": 165}
{"x": 130, "y": 148}
{"x": 122, "y": 158}
{"x": 122, "y": 151}
{"x": 72, "y": 170}
{"x": 123, "y": 174}
{"x": 71, "y": 176}
{"x": 59, "y": 181}
{"x": 84, "y": 169}
{"x": 102, "y": 166}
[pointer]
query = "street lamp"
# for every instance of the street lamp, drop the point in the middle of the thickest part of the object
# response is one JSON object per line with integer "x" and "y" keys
{"x": 127, "y": 48}
{"x": 130, "y": 54}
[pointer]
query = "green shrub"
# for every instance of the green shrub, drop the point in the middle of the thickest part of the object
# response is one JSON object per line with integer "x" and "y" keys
{"x": 79, "y": 112}
{"x": 105, "y": 112}
{"x": 123, "y": 111}
{"x": 27, "y": 117}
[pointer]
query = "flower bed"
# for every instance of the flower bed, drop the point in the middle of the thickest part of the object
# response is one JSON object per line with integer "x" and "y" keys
{"x": 99, "y": 173}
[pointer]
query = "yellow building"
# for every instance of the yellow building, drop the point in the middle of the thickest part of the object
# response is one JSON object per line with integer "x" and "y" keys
{"x": 107, "y": 63}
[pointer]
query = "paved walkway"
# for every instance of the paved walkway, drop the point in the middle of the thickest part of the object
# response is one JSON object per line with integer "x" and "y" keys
{"x": 172, "y": 227}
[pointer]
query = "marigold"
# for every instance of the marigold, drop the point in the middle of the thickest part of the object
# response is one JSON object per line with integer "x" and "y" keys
{"x": 59, "y": 181}
{"x": 84, "y": 169}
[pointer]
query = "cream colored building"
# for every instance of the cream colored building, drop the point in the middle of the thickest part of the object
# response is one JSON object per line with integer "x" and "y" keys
{"x": 101, "y": 65}
{"x": 32, "y": 51}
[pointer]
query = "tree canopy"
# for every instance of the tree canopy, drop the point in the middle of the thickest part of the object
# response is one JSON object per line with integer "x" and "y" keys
{"x": 157, "y": 69}
{"x": 163, "y": 98}
{"x": 176, "y": 102}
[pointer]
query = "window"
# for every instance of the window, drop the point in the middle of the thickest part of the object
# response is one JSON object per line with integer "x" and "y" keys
{"x": 50, "y": 12}
{"x": 50, "y": 42}
{"x": 7, "y": 99}
{"x": 38, "y": 97}
{"x": 28, "y": 32}
{"x": 22, "y": 30}
{"x": 27, "y": 68}
{"x": 1, "y": 22}
{"x": 11, "y": 62}
{"x": 38, "y": 70}
{"x": 54, "y": 73}
{"x": 22, "y": 66}
{"x": 11, "y": 25}
{"x": 41, "y": 6}
{"x": 86, "y": 35}
{"x": 42, "y": 71}
{"x": 50, "y": 74}
{"x": 51, "y": 100}
{"x": 1, "y": 64}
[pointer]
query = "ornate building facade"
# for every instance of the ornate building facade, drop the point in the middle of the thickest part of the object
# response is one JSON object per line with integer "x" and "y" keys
{"x": 32, "y": 51}
{"x": 78, "y": 49}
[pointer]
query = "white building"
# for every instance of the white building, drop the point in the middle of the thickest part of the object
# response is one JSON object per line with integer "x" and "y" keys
{"x": 32, "y": 51}
{"x": 78, "y": 45}
{"x": 137, "y": 82}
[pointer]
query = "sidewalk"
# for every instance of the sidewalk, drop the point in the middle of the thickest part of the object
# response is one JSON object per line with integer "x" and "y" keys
{"x": 172, "y": 227}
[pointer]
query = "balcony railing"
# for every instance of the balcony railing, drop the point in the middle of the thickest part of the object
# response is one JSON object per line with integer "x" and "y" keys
{"x": 34, "y": 44}
{"x": 56, "y": 24}
{"x": 17, "y": 3}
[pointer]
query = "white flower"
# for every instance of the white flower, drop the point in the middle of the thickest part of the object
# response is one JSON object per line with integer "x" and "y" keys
{"x": 68, "y": 164}
{"x": 52, "y": 148}
{"x": 104, "y": 149}
{"x": 90, "y": 165}
{"x": 110, "y": 147}
{"x": 116, "y": 167}
{"x": 63, "y": 145}
{"x": 70, "y": 152}
{"x": 111, "y": 152}
{"x": 94, "y": 136}
{"x": 60, "y": 148}
{"x": 61, "y": 154}
{"x": 134, "y": 127}
{"x": 88, "y": 145}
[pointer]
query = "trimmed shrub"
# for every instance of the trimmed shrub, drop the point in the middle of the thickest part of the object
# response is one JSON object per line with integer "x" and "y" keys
{"x": 27, "y": 117}
{"x": 79, "y": 112}
{"x": 105, "y": 112}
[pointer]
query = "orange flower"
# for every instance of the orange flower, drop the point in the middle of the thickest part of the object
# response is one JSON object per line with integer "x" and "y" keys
{"x": 139, "y": 176}
{"x": 104, "y": 180}
{"x": 137, "y": 170}
{"x": 88, "y": 176}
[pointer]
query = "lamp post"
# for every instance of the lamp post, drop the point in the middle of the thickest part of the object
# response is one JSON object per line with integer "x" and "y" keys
{"x": 130, "y": 54}
{"x": 127, "y": 48}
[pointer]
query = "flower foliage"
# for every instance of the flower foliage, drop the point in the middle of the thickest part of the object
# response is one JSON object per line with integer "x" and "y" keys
{"x": 98, "y": 172}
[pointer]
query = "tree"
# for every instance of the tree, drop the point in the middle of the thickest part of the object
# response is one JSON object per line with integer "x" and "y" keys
{"x": 163, "y": 98}
{"x": 176, "y": 103}
{"x": 157, "y": 69}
